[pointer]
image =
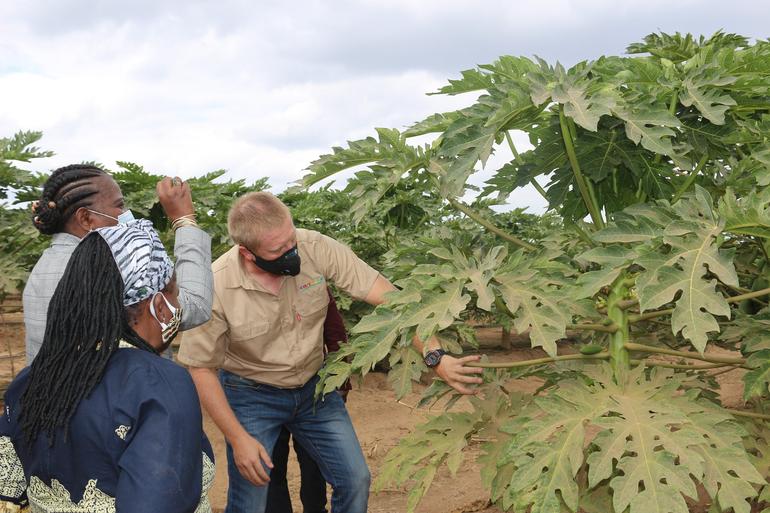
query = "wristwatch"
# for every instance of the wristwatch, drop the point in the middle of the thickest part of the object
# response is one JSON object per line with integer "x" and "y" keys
{"x": 433, "y": 358}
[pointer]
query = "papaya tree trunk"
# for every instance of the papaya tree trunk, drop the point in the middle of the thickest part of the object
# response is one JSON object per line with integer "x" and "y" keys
{"x": 619, "y": 357}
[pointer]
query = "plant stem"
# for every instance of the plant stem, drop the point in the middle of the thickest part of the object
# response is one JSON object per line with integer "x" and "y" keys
{"x": 749, "y": 414}
{"x": 650, "y": 315}
{"x": 690, "y": 179}
{"x": 730, "y": 369}
{"x": 465, "y": 209}
{"x": 705, "y": 366}
{"x": 611, "y": 328}
{"x": 593, "y": 208}
{"x": 582, "y": 234}
{"x": 669, "y": 311}
{"x": 763, "y": 248}
{"x": 539, "y": 361}
{"x": 619, "y": 357}
{"x": 515, "y": 153}
{"x": 510, "y": 144}
{"x": 631, "y": 346}
{"x": 623, "y": 305}
{"x": 539, "y": 188}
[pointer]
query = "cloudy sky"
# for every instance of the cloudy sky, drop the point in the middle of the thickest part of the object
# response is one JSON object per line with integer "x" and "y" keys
{"x": 262, "y": 88}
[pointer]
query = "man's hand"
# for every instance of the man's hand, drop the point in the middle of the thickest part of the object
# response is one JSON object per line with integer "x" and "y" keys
{"x": 175, "y": 197}
{"x": 249, "y": 456}
{"x": 457, "y": 375}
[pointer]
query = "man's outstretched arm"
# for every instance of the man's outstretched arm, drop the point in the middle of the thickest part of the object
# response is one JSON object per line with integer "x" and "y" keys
{"x": 454, "y": 371}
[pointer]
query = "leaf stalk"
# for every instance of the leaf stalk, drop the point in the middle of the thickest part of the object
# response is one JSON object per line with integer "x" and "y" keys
{"x": 539, "y": 361}
{"x": 690, "y": 179}
{"x": 465, "y": 209}
{"x": 729, "y": 360}
{"x": 669, "y": 311}
{"x": 569, "y": 145}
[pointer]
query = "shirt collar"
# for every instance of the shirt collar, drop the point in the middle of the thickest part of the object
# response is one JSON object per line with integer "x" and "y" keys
{"x": 64, "y": 239}
{"x": 236, "y": 275}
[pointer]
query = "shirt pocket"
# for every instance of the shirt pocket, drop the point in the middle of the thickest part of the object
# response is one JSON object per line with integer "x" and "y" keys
{"x": 248, "y": 331}
{"x": 312, "y": 303}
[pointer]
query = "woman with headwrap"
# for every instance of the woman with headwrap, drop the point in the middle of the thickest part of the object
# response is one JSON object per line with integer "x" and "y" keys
{"x": 80, "y": 198}
{"x": 99, "y": 422}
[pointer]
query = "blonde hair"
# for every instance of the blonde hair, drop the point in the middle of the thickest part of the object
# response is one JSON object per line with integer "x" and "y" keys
{"x": 252, "y": 215}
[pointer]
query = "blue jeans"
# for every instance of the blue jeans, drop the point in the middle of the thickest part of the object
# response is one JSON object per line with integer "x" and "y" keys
{"x": 322, "y": 427}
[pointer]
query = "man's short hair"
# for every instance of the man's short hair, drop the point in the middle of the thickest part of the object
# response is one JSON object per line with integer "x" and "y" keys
{"x": 252, "y": 215}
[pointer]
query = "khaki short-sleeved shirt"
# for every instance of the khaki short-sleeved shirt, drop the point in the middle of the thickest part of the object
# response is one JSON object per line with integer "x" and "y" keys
{"x": 276, "y": 340}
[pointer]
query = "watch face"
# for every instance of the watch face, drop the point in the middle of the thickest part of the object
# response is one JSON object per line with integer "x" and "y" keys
{"x": 432, "y": 358}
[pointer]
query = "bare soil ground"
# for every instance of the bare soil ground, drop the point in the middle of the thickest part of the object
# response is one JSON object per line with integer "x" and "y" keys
{"x": 380, "y": 422}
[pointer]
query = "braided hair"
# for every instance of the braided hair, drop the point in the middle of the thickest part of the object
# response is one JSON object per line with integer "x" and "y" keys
{"x": 86, "y": 321}
{"x": 66, "y": 190}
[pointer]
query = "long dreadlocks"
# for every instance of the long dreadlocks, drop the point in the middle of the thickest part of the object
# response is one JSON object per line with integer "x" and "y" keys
{"x": 66, "y": 190}
{"x": 86, "y": 321}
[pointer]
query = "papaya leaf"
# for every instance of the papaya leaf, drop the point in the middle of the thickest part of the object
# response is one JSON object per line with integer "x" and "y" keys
{"x": 757, "y": 381}
{"x": 538, "y": 308}
{"x": 332, "y": 376}
{"x": 472, "y": 80}
{"x": 757, "y": 445}
{"x": 685, "y": 268}
{"x": 432, "y": 124}
{"x": 547, "y": 447}
{"x": 406, "y": 366}
{"x": 584, "y": 110}
{"x": 699, "y": 90}
{"x": 589, "y": 283}
{"x": 650, "y": 125}
{"x": 751, "y": 331}
{"x": 389, "y": 151}
{"x": 418, "y": 455}
{"x": 614, "y": 255}
{"x": 659, "y": 439}
{"x": 437, "y": 389}
{"x": 729, "y": 477}
{"x": 626, "y": 229}
{"x": 748, "y": 215}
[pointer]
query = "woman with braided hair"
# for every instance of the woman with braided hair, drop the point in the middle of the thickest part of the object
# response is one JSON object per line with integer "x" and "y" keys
{"x": 80, "y": 198}
{"x": 99, "y": 422}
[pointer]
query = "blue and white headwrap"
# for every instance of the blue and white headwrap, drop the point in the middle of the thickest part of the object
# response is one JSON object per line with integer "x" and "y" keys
{"x": 141, "y": 259}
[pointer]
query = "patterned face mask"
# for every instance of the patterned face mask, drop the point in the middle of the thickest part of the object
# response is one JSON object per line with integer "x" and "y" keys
{"x": 167, "y": 330}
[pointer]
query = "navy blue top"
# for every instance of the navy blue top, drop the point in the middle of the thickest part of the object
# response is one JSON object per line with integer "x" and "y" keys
{"x": 139, "y": 434}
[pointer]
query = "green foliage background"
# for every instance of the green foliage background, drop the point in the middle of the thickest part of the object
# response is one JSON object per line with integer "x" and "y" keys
{"x": 657, "y": 162}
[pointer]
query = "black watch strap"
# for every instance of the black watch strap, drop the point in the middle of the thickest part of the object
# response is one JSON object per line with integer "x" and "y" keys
{"x": 433, "y": 358}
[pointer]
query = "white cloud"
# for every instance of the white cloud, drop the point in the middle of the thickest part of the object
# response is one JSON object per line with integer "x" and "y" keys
{"x": 263, "y": 88}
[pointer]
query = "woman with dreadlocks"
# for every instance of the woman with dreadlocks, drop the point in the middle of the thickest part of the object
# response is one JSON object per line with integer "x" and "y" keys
{"x": 99, "y": 422}
{"x": 79, "y": 198}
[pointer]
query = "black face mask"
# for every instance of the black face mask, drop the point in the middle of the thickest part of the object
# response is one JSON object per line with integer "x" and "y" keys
{"x": 285, "y": 265}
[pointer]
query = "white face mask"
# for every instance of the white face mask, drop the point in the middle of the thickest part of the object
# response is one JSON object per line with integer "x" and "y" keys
{"x": 124, "y": 218}
{"x": 170, "y": 329}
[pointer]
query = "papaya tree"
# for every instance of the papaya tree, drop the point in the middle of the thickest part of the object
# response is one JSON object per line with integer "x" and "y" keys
{"x": 20, "y": 245}
{"x": 658, "y": 163}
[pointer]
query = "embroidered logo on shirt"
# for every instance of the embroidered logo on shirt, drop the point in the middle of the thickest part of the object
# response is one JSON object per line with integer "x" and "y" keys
{"x": 122, "y": 431}
{"x": 314, "y": 283}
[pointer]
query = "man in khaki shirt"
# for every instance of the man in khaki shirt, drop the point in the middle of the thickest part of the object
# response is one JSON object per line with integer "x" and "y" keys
{"x": 266, "y": 338}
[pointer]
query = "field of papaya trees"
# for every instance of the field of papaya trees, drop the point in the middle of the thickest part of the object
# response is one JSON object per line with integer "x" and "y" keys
{"x": 654, "y": 256}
